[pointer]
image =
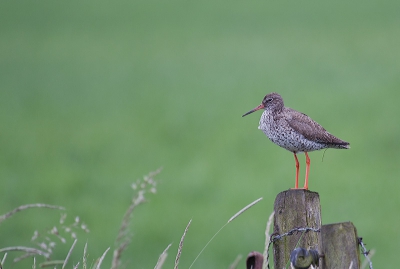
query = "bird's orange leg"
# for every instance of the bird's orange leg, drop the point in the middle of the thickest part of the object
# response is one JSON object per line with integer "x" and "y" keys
{"x": 296, "y": 186}
{"x": 307, "y": 171}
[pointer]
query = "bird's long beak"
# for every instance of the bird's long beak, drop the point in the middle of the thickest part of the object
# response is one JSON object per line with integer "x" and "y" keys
{"x": 255, "y": 109}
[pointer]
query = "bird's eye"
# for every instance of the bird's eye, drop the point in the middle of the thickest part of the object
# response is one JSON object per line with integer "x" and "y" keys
{"x": 269, "y": 100}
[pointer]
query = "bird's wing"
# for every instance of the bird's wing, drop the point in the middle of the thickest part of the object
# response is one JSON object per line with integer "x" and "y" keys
{"x": 309, "y": 128}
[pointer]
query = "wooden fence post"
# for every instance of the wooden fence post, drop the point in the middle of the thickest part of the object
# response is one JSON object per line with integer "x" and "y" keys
{"x": 296, "y": 208}
{"x": 340, "y": 246}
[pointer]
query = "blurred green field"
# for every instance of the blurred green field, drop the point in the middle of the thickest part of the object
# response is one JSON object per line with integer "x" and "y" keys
{"x": 93, "y": 95}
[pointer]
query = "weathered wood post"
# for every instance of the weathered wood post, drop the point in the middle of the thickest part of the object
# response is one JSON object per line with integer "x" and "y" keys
{"x": 296, "y": 208}
{"x": 340, "y": 246}
{"x": 298, "y": 231}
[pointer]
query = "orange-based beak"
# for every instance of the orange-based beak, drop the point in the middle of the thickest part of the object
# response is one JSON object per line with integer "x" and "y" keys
{"x": 255, "y": 109}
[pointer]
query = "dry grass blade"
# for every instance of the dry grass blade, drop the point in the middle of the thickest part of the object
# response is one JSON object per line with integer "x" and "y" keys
{"x": 244, "y": 209}
{"x": 230, "y": 220}
{"x": 23, "y": 257}
{"x": 178, "y": 255}
{"x": 69, "y": 254}
{"x": 162, "y": 258}
{"x": 235, "y": 262}
{"x": 53, "y": 263}
{"x": 118, "y": 253}
{"x": 123, "y": 230}
{"x": 84, "y": 258}
{"x": 31, "y": 251}
{"x": 267, "y": 238}
{"x": 99, "y": 262}
{"x": 137, "y": 200}
{"x": 3, "y": 260}
{"x": 146, "y": 184}
{"x": 23, "y": 207}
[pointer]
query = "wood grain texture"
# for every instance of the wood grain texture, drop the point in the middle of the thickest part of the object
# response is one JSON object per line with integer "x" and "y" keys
{"x": 296, "y": 208}
{"x": 340, "y": 246}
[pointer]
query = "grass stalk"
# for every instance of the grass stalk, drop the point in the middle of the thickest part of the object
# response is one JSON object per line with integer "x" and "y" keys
{"x": 69, "y": 254}
{"x": 24, "y": 207}
{"x": 229, "y": 221}
{"x": 162, "y": 258}
{"x": 178, "y": 255}
{"x": 267, "y": 238}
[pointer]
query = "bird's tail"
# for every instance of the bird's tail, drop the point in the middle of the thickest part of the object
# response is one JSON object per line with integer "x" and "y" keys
{"x": 343, "y": 145}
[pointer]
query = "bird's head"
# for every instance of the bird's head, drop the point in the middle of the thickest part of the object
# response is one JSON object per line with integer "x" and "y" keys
{"x": 271, "y": 101}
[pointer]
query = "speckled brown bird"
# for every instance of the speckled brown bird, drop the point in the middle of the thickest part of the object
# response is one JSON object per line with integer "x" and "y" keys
{"x": 294, "y": 131}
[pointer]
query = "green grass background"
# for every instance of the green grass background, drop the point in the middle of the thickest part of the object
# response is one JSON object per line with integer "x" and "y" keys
{"x": 95, "y": 94}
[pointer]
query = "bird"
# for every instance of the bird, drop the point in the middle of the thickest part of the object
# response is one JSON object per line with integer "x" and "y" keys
{"x": 294, "y": 131}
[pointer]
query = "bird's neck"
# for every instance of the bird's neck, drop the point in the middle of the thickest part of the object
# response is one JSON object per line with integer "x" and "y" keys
{"x": 273, "y": 112}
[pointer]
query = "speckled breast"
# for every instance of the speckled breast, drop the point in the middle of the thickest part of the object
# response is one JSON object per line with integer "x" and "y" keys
{"x": 284, "y": 136}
